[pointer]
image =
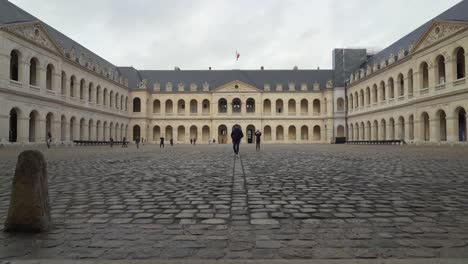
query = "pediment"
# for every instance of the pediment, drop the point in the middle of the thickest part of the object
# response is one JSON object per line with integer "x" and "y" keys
{"x": 34, "y": 32}
{"x": 236, "y": 87}
{"x": 439, "y": 31}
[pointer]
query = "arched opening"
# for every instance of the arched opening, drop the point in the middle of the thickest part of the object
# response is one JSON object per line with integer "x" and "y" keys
{"x": 368, "y": 131}
{"x": 136, "y": 132}
{"x": 222, "y": 134}
{"x": 362, "y": 130}
{"x": 156, "y": 107}
{"x": 340, "y": 131}
{"x": 169, "y": 133}
{"x": 462, "y": 124}
{"x": 361, "y": 98}
{"x": 316, "y": 106}
{"x": 410, "y": 81}
{"x": 351, "y": 101}
{"x": 14, "y": 67}
{"x": 206, "y": 133}
{"x": 82, "y": 91}
{"x": 356, "y": 100}
{"x": 49, "y": 124}
{"x": 181, "y": 107}
{"x": 193, "y": 106}
{"x": 279, "y": 106}
{"x": 442, "y": 117}
{"x": 33, "y": 72}
{"x": 250, "y": 105}
{"x": 440, "y": 62}
{"x": 33, "y": 119}
{"x": 304, "y": 106}
{"x": 222, "y": 106}
{"x": 111, "y": 99}
{"x": 460, "y": 60}
{"x": 340, "y": 104}
{"x": 316, "y": 133}
{"x": 106, "y": 96}
{"x": 117, "y": 101}
{"x": 63, "y": 128}
{"x": 13, "y": 131}
{"x": 169, "y": 107}
{"x": 250, "y": 134}
{"x": 49, "y": 77}
{"x": 181, "y": 134}
{"x": 425, "y": 128}
{"x": 194, "y": 132}
{"x": 98, "y": 95}
{"x": 292, "y": 107}
{"x": 411, "y": 127}
{"x": 206, "y": 107}
{"x": 90, "y": 129}
{"x": 382, "y": 91}
{"x": 267, "y": 133}
{"x": 72, "y": 128}
{"x": 356, "y": 132}
{"x": 304, "y": 133}
{"x": 383, "y": 129}
{"x": 375, "y": 135}
{"x": 392, "y": 129}
{"x": 351, "y": 132}
{"x": 63, "y": 83}
{"x": 236, "y": 105}
{"x": 292, "y": 133}
{"x": 424, "y": 73}
{"x": 82, "y": 129}
{"x": 267, "y": 106}
{"x": 401, "y": 85}
{"x": 368, "y": 96}
{"x": 90, "y": 92}
{"x": 156, "y": 133}
{"x": 126, "y": 103}
{"x": 391, "y": 88}
{"x": 136, "y": 105}
{"x": 374, "y": 94}
{"x": 279, "y": 133}
{"x": 401, "y": 128}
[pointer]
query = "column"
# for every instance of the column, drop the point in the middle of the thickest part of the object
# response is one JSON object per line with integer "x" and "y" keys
{"x": 431, "y": 70}
{"x": 434, "y": 130}
{"x": 200, "y": 107}
{"x": 416, "y": 82}
{"x": 408, "y": 130}
{"x": 40, "y": 130}
{"x": 84, "y": 135}
{"x": 24, "y": 73}
{"x": 92, "y": 129}
{"x": 76, "y": 130}
{"x": 56, "y": 81}
{"x": 418, "y": 131}
{"x": 452, "y": 128}
{"x": 41, "y": 75}
{"x": 5, "y": 69}
{"x": 389, "y": 131}
{"x": 449, "y": 70}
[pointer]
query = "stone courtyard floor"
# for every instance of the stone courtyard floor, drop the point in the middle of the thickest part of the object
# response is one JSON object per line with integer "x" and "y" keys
{"x": 285, "y": 202}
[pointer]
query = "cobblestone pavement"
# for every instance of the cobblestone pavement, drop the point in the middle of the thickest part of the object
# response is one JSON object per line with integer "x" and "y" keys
{"x": 287, "y": 201}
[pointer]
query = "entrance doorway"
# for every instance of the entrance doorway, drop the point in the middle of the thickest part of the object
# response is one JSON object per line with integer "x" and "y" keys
{"x": 250, "y": 134}
{"x": 222, "y": 134}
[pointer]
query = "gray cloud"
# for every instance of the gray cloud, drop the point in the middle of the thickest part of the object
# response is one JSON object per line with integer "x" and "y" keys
{"x": 277, "y": 34}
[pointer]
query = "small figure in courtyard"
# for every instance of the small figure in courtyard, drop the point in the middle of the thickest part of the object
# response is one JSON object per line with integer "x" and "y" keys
{"x": 214, "y": 141}
{"x": 124, "y": 143}
{"x": 258, "y": 136}
{"x": 142, "y": 141}
{"x": 161, "y": 142}
{"x": 194, "y": 141}
{"x": 236, "y": 136}
{"x": 48, "y": 139}
{"x": 111, "y": 140}
{"x": 191, "y": 141}
{"x": 137, "y": 142}
{"x": 171, "y": 141}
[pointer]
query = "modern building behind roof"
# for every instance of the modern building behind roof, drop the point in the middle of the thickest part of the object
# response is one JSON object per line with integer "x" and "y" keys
{"x": 413, "y": 90}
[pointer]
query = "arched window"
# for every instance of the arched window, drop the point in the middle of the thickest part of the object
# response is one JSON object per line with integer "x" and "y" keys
{"x": 236, "y": 105}
{"x": 49, "y": 77}
{"x": 361, "y": 98}
{"x": 90, "y": 92}
{"x": 105, "y": 96}
{"x": 368, "y": 96}
{"x": 304, "y": 106}
{"x": 267, "y": 106}
{"x": 410, "y": 81}
{"x": 156, "y": 107}
{"x": 424, "y": 73}
{"x": 98, "y": 94}
{"x": 279, "y": 106}
{"x": 460, "y": 55}
{"x": 72, "y": 86}
{"x": 250, "y": 105}
{"x": 169, "y": 107}
{"x": 391, "y": 88}
{"x": 356, "y": 100}
{"x": 382, "y": 91}
{"x": 222, "y": 105}
{"x": 374, "y": 94}
{"x": 33, "y": 74}
{"x": 193, "y": 106}
{"x": 82, "y": 89}
{"x": 136, "y": 105}
{"x": 111, "y": 99}
{"x": 351, "y": 103}
{"x": 401, "y": 85}
{"x": 14, "y": 65}
{"x": 136, "y": 132}
{"x": 316, "y": 107}
{"x": 206, "y": 106}
{"x": 440, "y": 60}
{"x": 63, "y": 85}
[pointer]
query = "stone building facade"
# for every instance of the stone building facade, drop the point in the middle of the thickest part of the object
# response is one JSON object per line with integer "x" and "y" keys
{"x": 413, "y": 90}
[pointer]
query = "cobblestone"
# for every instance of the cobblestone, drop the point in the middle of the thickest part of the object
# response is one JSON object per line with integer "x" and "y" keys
{"x": 288, "y": 201}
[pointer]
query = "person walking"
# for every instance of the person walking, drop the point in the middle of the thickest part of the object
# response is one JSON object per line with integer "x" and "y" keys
{"x": 48, "y": 139}
{"x": 161, "y": 142}
{"x": 236, "y": 136}
{"x": 111, "y": 140}
{"x": 124, "y": 142}
{"x": 137, "y": 141}
{"x": 171, "y": 141}
{"x": 191, "y": 141}
{"x": 258, "y": 136}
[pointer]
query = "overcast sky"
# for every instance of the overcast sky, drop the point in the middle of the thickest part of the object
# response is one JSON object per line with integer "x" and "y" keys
{"x": 277, "y": 34}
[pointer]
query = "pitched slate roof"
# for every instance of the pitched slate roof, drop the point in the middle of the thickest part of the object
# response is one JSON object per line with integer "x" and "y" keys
{"x": 458, "y": 12}
{"x": 11, "y": 14}
{"x": 217, "y": 78}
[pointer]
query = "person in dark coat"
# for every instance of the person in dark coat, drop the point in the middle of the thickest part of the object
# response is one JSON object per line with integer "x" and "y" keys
{"x": 137, "y": 141}
{"x": 258, "y": 136}
{"x": 111, "y": 140}
{"x": 161, "y": 142}
{"x": 48, "y": 139}
{"x": 171, "y": 141}
{"x": 124, "y": 143}
{"x": 236, "y": 136}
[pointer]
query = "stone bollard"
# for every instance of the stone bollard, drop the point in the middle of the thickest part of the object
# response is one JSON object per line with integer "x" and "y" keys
{"x": 29, "y": 205}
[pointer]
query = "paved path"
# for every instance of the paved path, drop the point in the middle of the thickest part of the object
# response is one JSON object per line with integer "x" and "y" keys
{"x": 286, "y": 202}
